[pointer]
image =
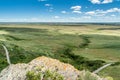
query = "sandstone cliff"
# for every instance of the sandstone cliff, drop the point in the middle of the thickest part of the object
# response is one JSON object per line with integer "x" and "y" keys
{"x": 19, "y": 71}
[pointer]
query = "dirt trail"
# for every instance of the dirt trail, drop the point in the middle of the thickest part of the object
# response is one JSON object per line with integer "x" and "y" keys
{"x": 101, "y": 68}
{"x": 7, "y": 54}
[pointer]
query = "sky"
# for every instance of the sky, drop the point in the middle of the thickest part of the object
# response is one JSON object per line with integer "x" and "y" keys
{"x": 59, "y": 10}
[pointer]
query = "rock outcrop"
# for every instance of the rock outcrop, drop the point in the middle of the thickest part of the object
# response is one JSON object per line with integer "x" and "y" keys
{"x": 18, "y": 71}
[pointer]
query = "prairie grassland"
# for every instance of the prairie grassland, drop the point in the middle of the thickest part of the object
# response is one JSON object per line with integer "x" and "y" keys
{"x": 66, "y": 29}
{"x": 84, "y": 46}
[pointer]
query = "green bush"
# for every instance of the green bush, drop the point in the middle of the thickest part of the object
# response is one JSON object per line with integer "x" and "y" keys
{"x": 66, "y": 55}
{"x": 115, "y": 64}
{"x": 31, "y": 75}
{"x": 48, "y": 75}
{"x": 43, "y": 75}
{"x": 87, "y": 76}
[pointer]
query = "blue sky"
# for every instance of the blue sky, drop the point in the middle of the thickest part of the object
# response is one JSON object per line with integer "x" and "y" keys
{"x": 59, "y": 10}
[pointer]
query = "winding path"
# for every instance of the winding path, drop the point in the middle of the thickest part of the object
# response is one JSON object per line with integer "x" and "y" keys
{"x": 101, "y": 68}
{"x": 7, "y": 54}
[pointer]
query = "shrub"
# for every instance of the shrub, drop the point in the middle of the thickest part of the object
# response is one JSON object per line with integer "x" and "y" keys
{"x": 115, "y": 64}
{"x": 48, "y": 75}
{"x": 66, "y": 55}
{"x": 31, "y": 75}
{"x": 86, "y": 75}
{"x": 43, "y": 75}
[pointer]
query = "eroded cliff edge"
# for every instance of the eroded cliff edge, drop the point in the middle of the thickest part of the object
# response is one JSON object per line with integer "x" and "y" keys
{"x": 67, "y": 71}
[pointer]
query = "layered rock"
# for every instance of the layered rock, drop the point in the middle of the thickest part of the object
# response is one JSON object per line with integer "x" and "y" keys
{"x": 18, "y": 71}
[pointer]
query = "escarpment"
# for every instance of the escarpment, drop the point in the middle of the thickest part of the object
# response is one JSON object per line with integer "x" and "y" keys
{"x": 57, "y": 71}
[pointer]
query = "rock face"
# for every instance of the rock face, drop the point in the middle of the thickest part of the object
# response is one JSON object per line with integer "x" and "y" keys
{"x": 18, "y": 71}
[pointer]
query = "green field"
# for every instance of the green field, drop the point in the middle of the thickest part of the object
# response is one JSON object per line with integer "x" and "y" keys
{"x": 85, "y": 46}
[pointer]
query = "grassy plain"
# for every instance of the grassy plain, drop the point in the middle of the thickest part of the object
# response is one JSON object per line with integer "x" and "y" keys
{"x": 86, "y": 46}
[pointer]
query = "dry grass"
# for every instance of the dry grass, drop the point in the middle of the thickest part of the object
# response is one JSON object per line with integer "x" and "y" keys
{"x": 85, "y": 29}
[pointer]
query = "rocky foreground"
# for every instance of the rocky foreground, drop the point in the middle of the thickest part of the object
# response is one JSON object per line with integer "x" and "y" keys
{"x": 19, "y": 71}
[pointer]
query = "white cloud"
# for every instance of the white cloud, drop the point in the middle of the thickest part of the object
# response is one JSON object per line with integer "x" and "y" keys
{"x": 107, "y": 1}
{"x": 77, "y": 12}
{"x": 64, "y": 12}
{"x": 103, "y": 12}
{"x": 48, "y": 5}
{"x": 90, "y": 13}
{"x": 56, "y": 17}
{"x": 95, "y": 1}
{"x": 96, "y": 13}
{"x": 76, "y": 8}
{"x": 101, "y": 1}
{"x": 113, "y": 10}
